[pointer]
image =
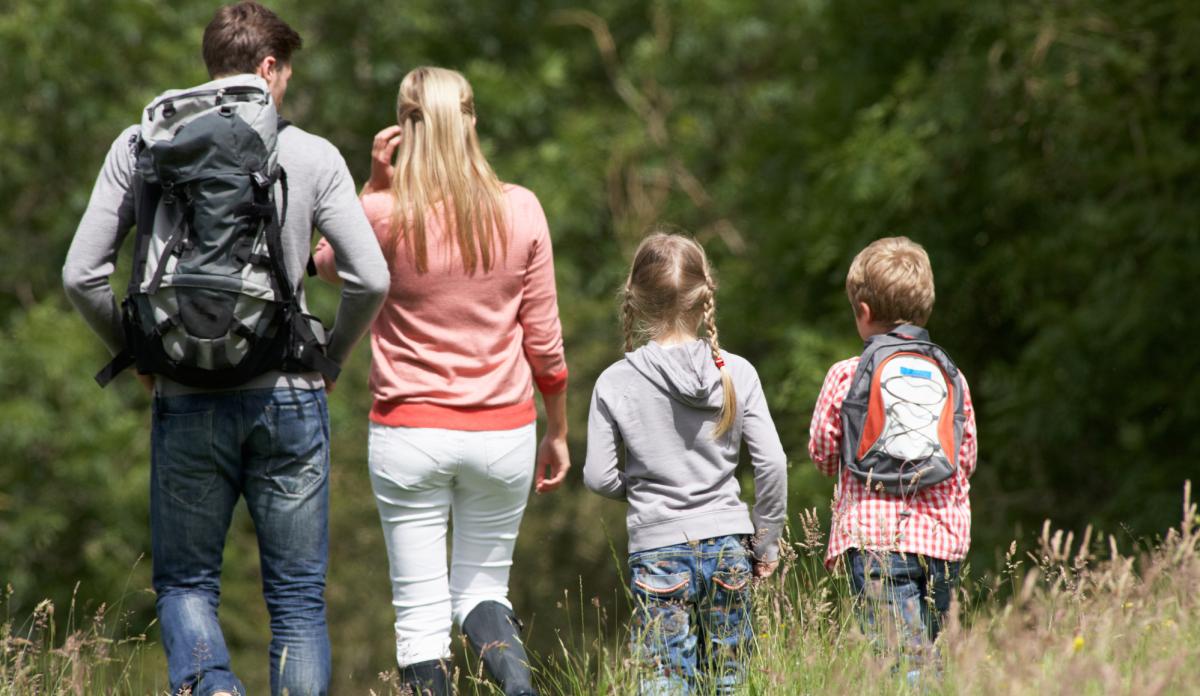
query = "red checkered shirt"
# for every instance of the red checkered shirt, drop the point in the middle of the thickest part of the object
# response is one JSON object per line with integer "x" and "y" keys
{"x": 935, "y": 522}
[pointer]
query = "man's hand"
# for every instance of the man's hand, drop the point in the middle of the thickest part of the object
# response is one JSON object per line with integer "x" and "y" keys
{"x": 383, "y": 149}
{"x": 553, "y": 463}
{"x": 146, "y": 381}
{"x": 764, "y": 569}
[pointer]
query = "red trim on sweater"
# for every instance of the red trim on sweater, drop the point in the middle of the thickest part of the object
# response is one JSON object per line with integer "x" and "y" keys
{"x": 451, "y": 418}
{"x": 555, "y": 383}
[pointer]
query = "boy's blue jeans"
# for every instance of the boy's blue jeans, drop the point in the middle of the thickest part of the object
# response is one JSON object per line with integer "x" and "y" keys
{"x": 904, "y": 597}
{"x": 270, "y": 446}
{"x": 691, "y": 623}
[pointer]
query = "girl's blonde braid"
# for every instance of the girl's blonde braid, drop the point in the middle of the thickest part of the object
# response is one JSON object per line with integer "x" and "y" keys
{"x": 729, "y": 405}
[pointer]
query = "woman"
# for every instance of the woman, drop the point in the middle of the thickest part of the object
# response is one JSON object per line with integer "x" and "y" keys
{"x": 469, "y": 327}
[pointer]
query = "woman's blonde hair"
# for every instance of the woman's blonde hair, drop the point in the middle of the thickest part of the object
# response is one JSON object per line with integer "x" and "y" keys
{"x": 894, "y": 278}
{"x": 439, "y": 161}
{"x": 671, "y": 289}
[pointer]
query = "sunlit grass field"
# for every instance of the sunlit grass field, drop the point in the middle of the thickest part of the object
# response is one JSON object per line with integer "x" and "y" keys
{"x": 1075, "y": 615}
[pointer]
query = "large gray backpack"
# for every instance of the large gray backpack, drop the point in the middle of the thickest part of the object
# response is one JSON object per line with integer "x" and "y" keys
{"x": 209, "y": 301}
{"x": 902, "y": 419}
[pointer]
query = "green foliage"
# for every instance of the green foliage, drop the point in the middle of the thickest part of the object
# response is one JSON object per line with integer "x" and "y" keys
{"x": 74, "y": 504}
{"x": 1042, "y": 152}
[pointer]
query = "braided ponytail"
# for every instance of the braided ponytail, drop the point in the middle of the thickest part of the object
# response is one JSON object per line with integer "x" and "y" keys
{"x": 729, "y": 405}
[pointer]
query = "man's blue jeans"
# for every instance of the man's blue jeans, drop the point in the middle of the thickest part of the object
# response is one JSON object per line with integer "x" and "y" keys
{"x": 903, "y": 598}
{"x": 691, "y": 623}
{"x": 272, "y": 447}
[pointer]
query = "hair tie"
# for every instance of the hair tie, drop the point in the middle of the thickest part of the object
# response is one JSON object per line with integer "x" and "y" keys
{"x": 720, "y": 363}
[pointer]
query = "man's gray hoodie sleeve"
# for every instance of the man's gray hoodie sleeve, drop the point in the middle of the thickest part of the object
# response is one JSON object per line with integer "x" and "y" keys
{"x": 360, "y": 263}
{"x": 770, "y": 474}
{"x": 601, "y": 473}
{"x": 93, "y": 253}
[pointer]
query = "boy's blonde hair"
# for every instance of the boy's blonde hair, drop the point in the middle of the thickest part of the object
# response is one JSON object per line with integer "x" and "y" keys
{"x": 670, "y": 289}
{"x": 894, "y": 278}
{"x": 440, "y": 167}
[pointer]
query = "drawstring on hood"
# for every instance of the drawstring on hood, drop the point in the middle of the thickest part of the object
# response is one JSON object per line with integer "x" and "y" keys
{"x": 686, "y": 372}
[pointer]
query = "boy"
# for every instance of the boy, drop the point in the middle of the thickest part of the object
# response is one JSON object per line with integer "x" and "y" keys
{"x": 902, "y": 548}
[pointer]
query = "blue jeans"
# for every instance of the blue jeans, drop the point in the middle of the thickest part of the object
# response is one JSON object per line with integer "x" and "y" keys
{"x": 904, "y": 597}
{"x": 691, "y": 623}
{"x": 272, "y": 447}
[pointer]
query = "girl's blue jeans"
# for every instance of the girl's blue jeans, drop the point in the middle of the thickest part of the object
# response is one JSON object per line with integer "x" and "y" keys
{"x": 691, "y": 624}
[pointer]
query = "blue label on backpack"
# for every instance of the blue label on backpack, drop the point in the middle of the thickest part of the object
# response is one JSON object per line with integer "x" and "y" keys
{"x": 909, "y": 372}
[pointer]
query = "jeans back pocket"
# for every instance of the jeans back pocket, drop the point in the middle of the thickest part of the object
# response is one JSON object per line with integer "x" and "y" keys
{"x": 299, "y": 457}
{"x": 185, "y": 465}
{"x": 660, "y": 578}
{"x": 511, "y": 455}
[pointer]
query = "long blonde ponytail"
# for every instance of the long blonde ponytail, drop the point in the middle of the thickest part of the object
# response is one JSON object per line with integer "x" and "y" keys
{"x": 670, "y": 289}
{"x": 439, "y": 162}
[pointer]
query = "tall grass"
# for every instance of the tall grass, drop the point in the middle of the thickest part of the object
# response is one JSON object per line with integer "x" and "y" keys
{"x": 1068, "y": 616}
{"x": 102, "y": 652}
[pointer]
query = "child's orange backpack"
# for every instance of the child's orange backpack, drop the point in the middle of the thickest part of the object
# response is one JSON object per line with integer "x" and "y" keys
{"x": 902, "y": 419}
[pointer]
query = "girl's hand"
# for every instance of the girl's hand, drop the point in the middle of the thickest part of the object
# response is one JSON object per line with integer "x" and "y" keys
{"x": 764, "y": 569}
{"x": 383, "y": 149}
{"x": 553, "y": 463}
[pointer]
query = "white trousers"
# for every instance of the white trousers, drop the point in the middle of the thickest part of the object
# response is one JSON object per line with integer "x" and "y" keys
{"x": 423, "y": 478}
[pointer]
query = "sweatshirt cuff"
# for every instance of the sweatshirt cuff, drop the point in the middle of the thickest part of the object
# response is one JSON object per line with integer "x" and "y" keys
{"x": 551, "y": 384}
{"x": 764, "y": 545}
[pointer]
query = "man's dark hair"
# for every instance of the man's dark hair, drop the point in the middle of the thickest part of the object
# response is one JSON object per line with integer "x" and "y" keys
{"x": 242, "y": 34}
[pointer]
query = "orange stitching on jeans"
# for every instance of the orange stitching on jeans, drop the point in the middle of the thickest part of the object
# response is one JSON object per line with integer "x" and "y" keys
{"x": 656, "y": 590}
{"x": 731, "y": 588}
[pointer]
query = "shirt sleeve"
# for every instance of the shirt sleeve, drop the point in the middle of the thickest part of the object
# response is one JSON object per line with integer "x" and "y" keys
{"x": 770, "y": 473}
{"x": 375, "y": 207}
{"x": 538, "y": 313}
{"x": 359, "y": 261}
{"x": 601, "y": 471}
{"x": 968, "y": 451}
{"x": 92, "y": 256}
{"x": 825, "y": 431}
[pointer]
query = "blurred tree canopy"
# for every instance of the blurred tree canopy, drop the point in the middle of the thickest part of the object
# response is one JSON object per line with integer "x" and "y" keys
{"x": 1045, "y": 153}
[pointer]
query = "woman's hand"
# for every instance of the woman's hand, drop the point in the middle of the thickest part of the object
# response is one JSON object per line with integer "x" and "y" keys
{"x": 383, "y": 150}
{"x": 553, "y": 463}
{"x": 764, "y": 569}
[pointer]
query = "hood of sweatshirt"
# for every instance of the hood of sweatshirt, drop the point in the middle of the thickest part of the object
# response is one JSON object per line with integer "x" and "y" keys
{"x": 686, "y": 372}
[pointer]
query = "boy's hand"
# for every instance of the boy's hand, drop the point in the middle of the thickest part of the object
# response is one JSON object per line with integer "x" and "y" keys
{"x": 764, "y": 569}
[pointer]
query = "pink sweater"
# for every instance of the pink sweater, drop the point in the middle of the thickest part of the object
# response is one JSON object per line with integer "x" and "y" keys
{"x": 458, "y": 351}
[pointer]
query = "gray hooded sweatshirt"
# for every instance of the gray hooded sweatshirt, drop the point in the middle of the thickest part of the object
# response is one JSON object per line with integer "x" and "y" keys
{"x": 660, "y": 404}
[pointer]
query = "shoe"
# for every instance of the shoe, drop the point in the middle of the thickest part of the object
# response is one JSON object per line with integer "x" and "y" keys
{"x": 494, "y": 632}
{"x": 429, "y": 678}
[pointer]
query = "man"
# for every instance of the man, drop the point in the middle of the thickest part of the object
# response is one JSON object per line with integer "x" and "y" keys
{"x": 267, "y": 439}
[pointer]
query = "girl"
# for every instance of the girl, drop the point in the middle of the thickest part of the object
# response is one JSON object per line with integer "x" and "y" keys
{"x": 680, "y": 407}
{"x": 469, "y": 327}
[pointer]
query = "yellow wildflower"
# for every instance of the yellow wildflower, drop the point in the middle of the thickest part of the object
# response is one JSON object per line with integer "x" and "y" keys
{"x": 1078, "y": 644}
